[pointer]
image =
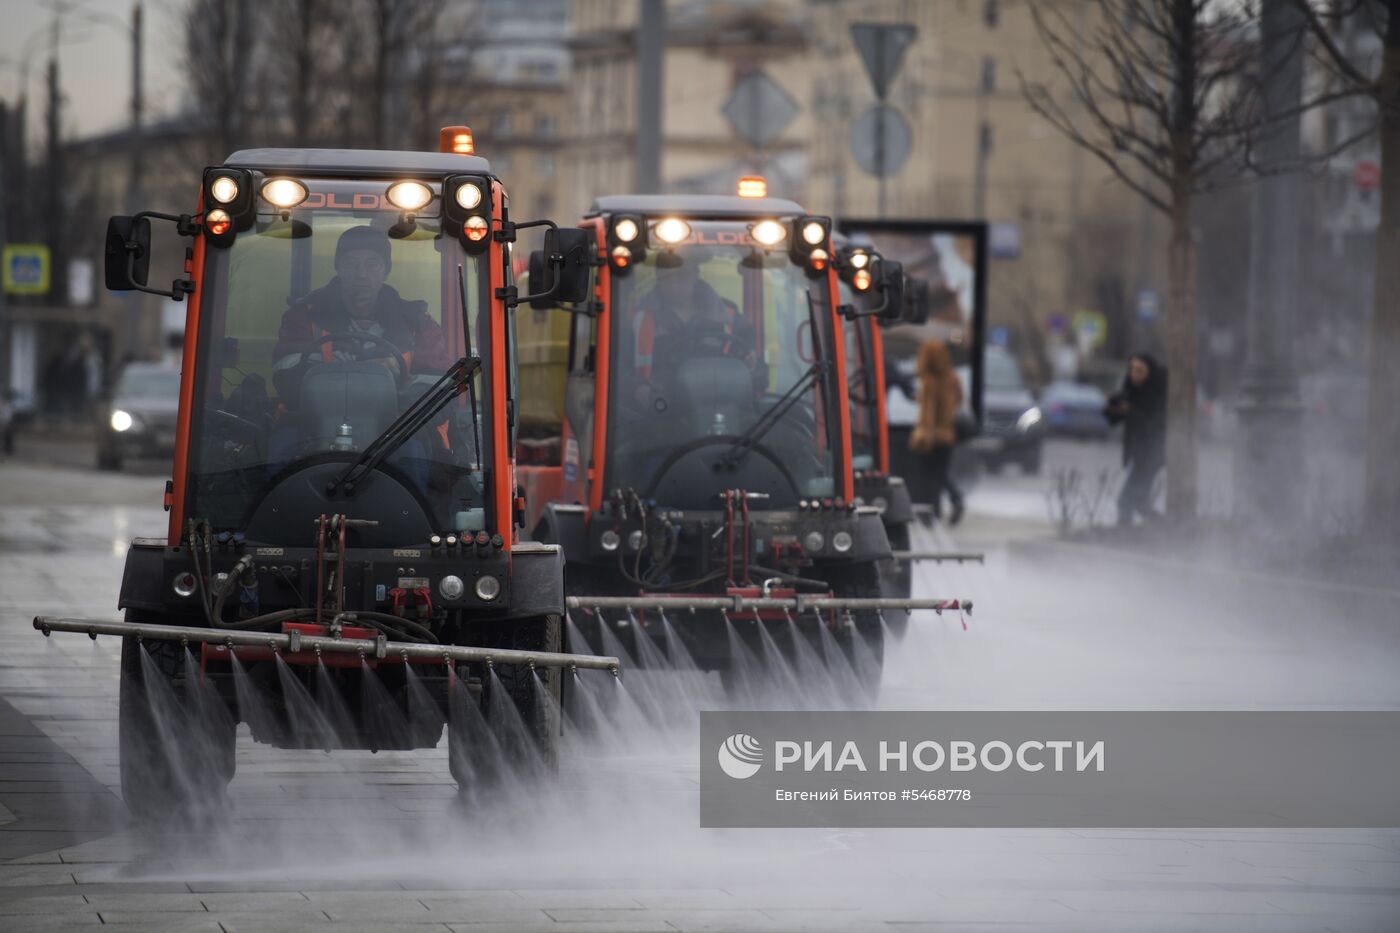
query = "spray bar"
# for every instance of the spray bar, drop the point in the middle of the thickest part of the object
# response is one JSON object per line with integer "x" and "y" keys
{"x": 941, "y": 556}
{"x": 294, "y": 642}
{"x": 741, "y": 604}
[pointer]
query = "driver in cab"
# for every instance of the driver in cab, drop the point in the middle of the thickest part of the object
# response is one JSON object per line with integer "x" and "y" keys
{"x": 680, "y": 318}
{"x": 356, "y": 301}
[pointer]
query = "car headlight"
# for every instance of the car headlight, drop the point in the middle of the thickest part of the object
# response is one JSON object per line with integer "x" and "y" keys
{"x": 1029, "y": 419}
{"x": 842, "y": 541}
{"x": 121, "y": 420}
{"x": 813, "y": 542}
{"x": 610, "y": 540}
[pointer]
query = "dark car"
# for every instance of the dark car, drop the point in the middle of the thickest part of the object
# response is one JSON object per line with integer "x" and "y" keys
{"x": 139, "y": 419}
{"x": 1074, "y": 409}
{"x": 1013, "y": 429}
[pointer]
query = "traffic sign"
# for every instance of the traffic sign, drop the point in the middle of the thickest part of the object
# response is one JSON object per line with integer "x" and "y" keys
{"x": 759, "y": 109}
{"x": 26, "y": 269}
{"x": 1366, "y": 175}
{"x": 1149, "y": 305}
{"x": 1091, "y": 326}
{"x": 882, "y": 47}
{"x": 881, "y": 140}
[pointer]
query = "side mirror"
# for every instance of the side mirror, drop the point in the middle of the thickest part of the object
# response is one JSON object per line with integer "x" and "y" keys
{"x": 891, "y": 282}
{"x": 563, "y": 271}
{"x": 539, "y": 278}
{"x": 569, "y": 254}
{"x": 127, "y": 257}
{"x": 915, "y": 301}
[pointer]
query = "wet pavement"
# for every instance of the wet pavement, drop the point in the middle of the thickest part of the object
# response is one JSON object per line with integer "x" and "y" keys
{"x": 361, "y": 841}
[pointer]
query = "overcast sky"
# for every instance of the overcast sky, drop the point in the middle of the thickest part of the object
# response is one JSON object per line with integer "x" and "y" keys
{"x": 94, "y": 60}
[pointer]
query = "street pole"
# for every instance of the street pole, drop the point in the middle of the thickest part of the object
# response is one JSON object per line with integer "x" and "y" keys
{"x": 6, "y": 350}
{"x": 1268, "y": 449}
{"x": 651, "y": 51}
{"x": 132, "y": 338}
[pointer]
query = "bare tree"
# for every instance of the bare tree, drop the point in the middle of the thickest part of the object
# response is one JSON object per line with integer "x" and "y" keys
{"x": 1156, "y": 90}
{"x": 1376, "y": 77}
{"x": 219, "y": 54}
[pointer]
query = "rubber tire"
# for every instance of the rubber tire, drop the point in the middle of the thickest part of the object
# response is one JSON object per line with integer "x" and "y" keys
{"x": 150, "y": 774}
{"x": 544, "y": 633}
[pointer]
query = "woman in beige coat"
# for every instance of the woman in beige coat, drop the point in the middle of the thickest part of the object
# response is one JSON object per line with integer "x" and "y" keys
{"x": 935, "y": 434}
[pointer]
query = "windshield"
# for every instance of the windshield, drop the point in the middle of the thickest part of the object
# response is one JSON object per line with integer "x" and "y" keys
{"x": 149, "y": 383}
{"x": 861, "y": 386}
{"x": 722, "y": 374}
{"x": 316, "y": 331}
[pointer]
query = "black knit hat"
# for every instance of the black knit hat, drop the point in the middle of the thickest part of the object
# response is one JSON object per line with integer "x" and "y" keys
{"x": 366, "y": 238}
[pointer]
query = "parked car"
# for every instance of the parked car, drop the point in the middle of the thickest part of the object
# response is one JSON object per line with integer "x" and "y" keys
{"x": 1013, "y": 429}
{"x": 1074, "y": 409}
{"x": 139, "y": 419}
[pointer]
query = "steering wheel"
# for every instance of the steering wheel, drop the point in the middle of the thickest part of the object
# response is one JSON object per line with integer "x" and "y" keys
{"x": 359, "y": 339}
{"x": 728, "y": 440}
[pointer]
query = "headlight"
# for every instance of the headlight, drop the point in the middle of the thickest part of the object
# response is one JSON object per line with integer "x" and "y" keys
{"x": 672, "y": 230}
{"x": 468, "y": 196}
{"x": 769, "y": 232}
{"x": 813, "y": 233}
{"x": 476, "y": 227}
{"x": 285, "y": 193}
{"x": 625, "y": 230}
{"x": 1029, "y": 419}
{"x": 409, "y": 195}
{"x": 814, "y": 541}
{"x": 224, "y": 189}
{"x": 859, "y": 259}
{"x": 217, "y": 221}
{"x": 609, "y": 540}
{"x": 487, "y": 587}
{"x": 842, "y": 541}
{"x": 122, "y": 421}
{"x": 636, "y": 540}
{"x": 184, "y": 584}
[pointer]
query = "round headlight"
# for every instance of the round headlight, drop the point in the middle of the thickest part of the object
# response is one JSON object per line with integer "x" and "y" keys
{"x": 818, "y": 259}
{"x": 1029, "y": 419}
{"x": 452, "y": 587}
{"x": 224, "y": 189}
{"x": 468, "y": 196}
{"x": 769, "y": 232}
{"x": 814, "y": 541}
{"x": 609, "y": 540}
{"x": 217, "y": 222}
{"x": 842, "y": 541}
{"x": 626, "y": 230}
{"x": 476, "y": 228}
{"x": 861, "y": 280}
{"x": 859, "y": 260}
{"x": 285, "y": 193}
{"x": 121, "y": 421}
{"x": 636, "y": 540}
{"x": 409, "y": 195}
{"x": 672, "y": 230}
{"x": 813, "y": 233}
{"x": 487, "y": 587}
{"x": 184, "y": 584}
{"x": 621, "y": 257}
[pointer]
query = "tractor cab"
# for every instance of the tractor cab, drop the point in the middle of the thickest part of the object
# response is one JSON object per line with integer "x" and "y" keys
{"x": 343, "y": 505}
{"x": 706, "y": 438}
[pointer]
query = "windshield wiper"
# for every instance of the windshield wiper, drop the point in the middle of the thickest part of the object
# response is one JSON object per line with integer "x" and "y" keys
{"x": 746, "y": 441}
{"x": 454, "y": 381}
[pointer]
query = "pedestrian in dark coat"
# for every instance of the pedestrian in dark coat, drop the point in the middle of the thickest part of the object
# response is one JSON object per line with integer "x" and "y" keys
{"x": 935, "y": 433}
{"x": 1141, "y": 406}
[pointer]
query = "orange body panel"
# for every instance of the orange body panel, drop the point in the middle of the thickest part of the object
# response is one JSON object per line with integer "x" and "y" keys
{"x": 502, "y": 463}
{"x": 602, "y": 364}
{"x": 180, "y": 467}
{"x": 843, "y": 399}
{"x": 882, "y": 425}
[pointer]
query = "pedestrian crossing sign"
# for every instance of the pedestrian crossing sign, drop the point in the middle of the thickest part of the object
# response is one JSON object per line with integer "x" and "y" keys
{"x": 26, "y": 269}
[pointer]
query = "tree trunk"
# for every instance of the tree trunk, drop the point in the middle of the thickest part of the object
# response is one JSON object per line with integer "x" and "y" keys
{"x": 1181, "y": 360}
{"x": 1383, "y": 413}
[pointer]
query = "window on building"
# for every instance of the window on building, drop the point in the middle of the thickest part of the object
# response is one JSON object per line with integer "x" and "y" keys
{"x": 989, "y": 74}
{"x": 544, "y": 166}
{"x": 991, "y": 13}
{"x": 502, "y": 124}
{"x": 545, "y": 124}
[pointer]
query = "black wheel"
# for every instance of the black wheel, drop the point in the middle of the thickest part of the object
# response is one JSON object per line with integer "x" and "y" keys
{"x": 478, "y": 753}
{"x": 176, "y": 738}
